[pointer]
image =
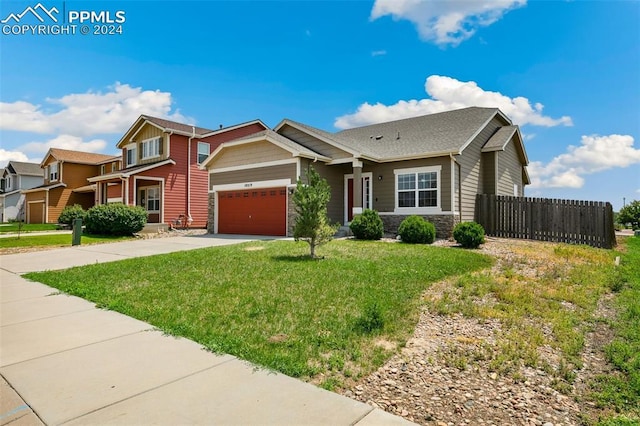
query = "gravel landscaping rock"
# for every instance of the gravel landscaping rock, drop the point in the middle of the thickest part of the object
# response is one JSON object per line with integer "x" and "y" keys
{"x": 440, "y": 376}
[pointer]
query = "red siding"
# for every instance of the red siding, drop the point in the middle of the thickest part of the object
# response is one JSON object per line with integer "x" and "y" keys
{"x": 175, "y": 176}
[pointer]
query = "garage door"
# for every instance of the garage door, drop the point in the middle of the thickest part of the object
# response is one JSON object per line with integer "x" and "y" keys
{"x": 253, "y": 212}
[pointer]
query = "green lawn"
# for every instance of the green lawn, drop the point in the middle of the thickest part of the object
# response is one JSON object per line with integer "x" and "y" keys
{"x": 620, "y": 392}
{"x": 268, "y": 303}
{"x": 54, "y": 240}
{"x": 13, "y": 227}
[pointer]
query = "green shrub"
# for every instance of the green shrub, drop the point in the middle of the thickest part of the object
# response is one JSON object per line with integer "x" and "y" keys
{"x": 367, "y": 226}
{"x": 70, "y": 213}
{"x": 416, "y": 230}
{"x": 469, "y": 234}
{"x": 115, "y": 219}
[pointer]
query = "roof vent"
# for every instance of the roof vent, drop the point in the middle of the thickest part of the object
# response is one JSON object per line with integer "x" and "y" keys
{"x": 221, "y": 126}
{"x": 398, "y": 137}
{"x": 378, "y": 137}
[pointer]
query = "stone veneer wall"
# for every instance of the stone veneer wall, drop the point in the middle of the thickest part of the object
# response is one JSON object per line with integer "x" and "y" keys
{"x": 211, "y": 213}
{"x": 444, "y": 223}
{"x": 291, "y": 214}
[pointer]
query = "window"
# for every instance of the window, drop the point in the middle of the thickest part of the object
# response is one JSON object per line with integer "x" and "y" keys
{"x": 115, "y": 166}
{"x": 131, "y": 154}
{"x": 7, "y": 183}
{"x": 150, "y": 148}
{"x": 418, "y": 188}
{"x": 102, "y": 169}
{"x": 53, "y": 172}
{"x": 203, "y": 151}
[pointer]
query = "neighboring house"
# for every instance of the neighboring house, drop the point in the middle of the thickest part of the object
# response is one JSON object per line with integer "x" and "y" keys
{"x": 160, "y": 169}
{"x": 65, "y": 183}
{"x": 15, "y": 177}
{"x": 432, "y": 166}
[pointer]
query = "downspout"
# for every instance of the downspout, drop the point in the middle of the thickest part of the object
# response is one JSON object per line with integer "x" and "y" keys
{"x": 193, "y": 135}
{"x": 459, "y": 186}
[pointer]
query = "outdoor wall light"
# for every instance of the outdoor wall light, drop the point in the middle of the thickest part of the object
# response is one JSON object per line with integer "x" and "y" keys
{"x": 379, "y": 177}
{"x": 291, "y": 191}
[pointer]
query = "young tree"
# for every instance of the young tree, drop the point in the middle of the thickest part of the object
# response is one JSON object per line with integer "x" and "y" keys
{"x": 312, "y": 223}
{"x": 630, "y": 214}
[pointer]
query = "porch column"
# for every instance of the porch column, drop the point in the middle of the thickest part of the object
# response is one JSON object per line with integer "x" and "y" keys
{"x": 357, "y": 187}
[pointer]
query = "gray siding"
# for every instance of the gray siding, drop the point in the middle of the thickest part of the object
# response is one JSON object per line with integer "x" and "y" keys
{"x": 471, "y": 170}
{"x": 285, "y": 171}
{"x": 384, "y": 185}
{"x": 509, "y": 171}
{"x": 335, "y": 178}
{"x": 312, "y": 143}
{"x": 489, "y": 172}
{"x": 241, "y": 155}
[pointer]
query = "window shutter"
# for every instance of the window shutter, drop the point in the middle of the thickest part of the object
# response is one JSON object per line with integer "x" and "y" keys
{"x": 161, "y": 147}
{"x": 139, "y": 147}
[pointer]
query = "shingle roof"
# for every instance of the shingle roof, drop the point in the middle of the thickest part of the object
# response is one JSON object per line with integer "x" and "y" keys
{"x": 288, "y": 143}
{"x": 77, "y": 156}
{"x": 500, "y": 138}
{"x": 174, "y": 125}
{"x": 445, "y": 132}
{"x": 336, "y": 141}
{"x": 26, "y": 169}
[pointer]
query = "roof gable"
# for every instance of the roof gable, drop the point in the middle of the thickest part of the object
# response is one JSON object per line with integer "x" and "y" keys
{"x": 502, "y": 137}
{"x": 170, "y": 126}
{"x": 78, "y": 157}
{"x": 270, "y": 136}
{"x": 24, "y": 169}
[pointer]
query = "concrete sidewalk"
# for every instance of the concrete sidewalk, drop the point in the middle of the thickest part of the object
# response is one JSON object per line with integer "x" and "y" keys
{"x": 66, "y": 362}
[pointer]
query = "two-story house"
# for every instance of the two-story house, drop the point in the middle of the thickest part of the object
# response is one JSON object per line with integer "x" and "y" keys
{"x": 160, "y": 169}
{"x": 16, "y": 176}
{"x": 65, "y": 183}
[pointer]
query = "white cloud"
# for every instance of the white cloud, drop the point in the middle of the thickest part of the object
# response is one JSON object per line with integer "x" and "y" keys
{"x": 595, "y": 154}
{"x": 445, "y": 22}
{"x": 446, "y": 94}
{"x": 70, "y": 142}
{"x": 88, "y": 113}
{"x": 6, "y": 156}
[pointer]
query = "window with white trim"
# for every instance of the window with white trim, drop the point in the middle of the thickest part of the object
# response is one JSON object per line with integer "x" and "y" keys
{"x": 204, "y": 149}
{"x": 7, "y": 183}
{"x": 150, "y": 148}
{"x": 131, "y": 154}
{"x": 418, "y": 188}
{"x": 53, "y": 172}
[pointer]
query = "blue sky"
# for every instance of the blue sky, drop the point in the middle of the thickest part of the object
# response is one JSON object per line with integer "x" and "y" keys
{"x": 568, "y": 72}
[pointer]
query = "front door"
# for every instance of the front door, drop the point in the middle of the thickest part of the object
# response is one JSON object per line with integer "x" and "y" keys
{"x": 367, "y": 192}
{"x": 149, "y": 199}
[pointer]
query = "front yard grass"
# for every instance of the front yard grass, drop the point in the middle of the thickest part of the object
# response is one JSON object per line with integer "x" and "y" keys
{"x": 323, "y": 320}
{"x": 55, "y": 240}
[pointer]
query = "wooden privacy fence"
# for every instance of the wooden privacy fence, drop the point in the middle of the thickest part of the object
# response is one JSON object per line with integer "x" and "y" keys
{"x": 544, "y": 219}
